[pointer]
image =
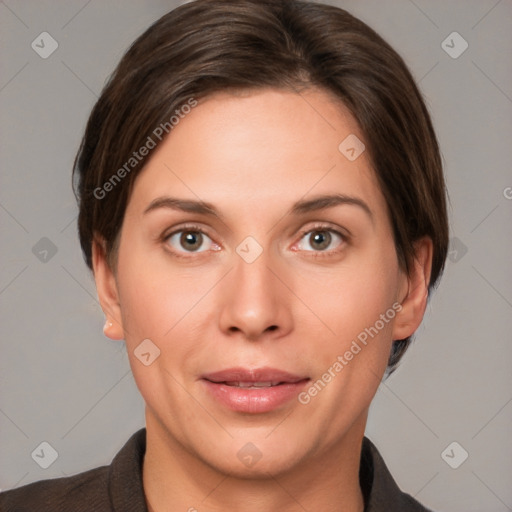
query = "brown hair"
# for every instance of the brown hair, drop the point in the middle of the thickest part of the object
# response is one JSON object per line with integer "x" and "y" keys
{"x": 208, "y": 46}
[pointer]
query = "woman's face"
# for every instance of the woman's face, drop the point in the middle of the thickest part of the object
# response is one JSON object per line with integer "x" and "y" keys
{"x": 257, "y": 285}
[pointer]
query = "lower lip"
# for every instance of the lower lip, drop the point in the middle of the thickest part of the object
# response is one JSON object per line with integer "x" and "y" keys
{"x": 255, "y": 400}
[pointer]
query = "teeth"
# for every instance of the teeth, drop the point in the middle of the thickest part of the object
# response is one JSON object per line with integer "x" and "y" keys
{"x": 252, "y": 385}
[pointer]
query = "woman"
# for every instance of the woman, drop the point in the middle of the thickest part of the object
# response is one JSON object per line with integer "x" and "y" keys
{"x": 262, "y": 205}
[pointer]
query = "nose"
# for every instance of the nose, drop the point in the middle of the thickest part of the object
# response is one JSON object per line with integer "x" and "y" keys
{"x": 254, "y": 302}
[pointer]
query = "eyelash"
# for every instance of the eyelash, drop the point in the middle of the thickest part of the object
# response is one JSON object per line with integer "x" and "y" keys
{"x": 186, "y": 228}
{"x": 324, "y": 228}
{"x": 315, "y": 254}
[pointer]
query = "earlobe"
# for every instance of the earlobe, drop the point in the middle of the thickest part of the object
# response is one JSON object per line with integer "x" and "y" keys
{"x": 106, "y": 288}
{"x": 414, "y": 302}
{"x": 112, "y": 331}
{"x": 108, "y": 325}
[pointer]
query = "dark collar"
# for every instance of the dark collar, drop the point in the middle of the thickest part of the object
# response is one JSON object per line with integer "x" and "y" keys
{"x": 380, "y": 491}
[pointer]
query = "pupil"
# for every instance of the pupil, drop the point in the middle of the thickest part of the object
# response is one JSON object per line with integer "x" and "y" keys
{"x": 321, "y": 239}
{"x": 191, "y": 240}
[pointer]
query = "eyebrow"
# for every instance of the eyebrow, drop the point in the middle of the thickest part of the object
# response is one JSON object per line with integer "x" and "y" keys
{"x": 329, "y": 201}
{"x": 301, "y": 207}
{"x": 185, "y": 205}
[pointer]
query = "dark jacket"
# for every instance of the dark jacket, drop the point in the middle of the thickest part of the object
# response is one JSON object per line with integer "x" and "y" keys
{"x": 118, "y": 487}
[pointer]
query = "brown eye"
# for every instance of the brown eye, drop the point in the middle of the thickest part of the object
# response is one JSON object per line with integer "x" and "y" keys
{"x": 320, "y": 240}
{"x": 191, "y": 240}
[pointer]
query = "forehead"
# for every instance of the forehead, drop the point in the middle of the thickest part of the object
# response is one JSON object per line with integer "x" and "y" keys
{"x": 257, "y": 149}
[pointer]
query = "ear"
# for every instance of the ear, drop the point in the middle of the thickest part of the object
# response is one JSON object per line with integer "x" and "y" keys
{"x": 106, "y": 287}
{"x": 414, "y": 291}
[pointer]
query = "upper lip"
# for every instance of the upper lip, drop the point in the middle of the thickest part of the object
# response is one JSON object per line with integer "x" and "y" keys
{"x": 265, "y": 374}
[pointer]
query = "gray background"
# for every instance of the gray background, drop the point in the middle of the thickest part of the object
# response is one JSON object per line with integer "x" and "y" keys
{"x": 64, "y": 383}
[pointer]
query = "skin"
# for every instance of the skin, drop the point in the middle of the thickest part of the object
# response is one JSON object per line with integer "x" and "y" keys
{"x": 252, "y": 156}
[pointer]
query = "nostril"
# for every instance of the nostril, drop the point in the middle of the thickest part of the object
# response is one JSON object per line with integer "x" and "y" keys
{"x": 235, "y": 329}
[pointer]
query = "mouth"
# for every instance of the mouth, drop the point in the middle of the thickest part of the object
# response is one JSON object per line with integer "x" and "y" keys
{"x": 253, "y": 391}
{"x": 253, "y": 385}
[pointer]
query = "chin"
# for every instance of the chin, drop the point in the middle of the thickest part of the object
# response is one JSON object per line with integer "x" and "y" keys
{"x": 256, "y": 466}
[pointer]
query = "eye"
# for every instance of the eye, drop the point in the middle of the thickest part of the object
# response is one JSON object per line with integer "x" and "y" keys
{"x": 320, "y": 240}
{"x": 190, "y": 240}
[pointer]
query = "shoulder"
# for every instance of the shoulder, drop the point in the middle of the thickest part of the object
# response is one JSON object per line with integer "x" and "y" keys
{"x": 381, "y": 491}
{"x": 85, "y": 491}
{"x": 117, "y": 487}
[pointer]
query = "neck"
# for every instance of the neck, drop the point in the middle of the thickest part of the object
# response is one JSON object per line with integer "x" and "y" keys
{"x": 176, "y": 479}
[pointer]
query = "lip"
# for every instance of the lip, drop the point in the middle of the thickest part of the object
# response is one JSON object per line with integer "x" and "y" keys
{"x": 256, "y": 396}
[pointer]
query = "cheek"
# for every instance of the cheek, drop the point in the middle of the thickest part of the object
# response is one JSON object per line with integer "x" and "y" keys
{"x": 175, "y": 309}
{"x": 354, "y": 296}
{"x": 357, "y": 305}
{"x": 156, "y": 297}
{"x": 164, "y": 308}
